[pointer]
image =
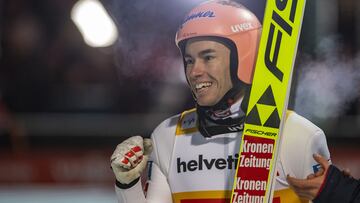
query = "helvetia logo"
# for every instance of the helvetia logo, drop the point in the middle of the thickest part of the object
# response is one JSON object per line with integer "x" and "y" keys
{"x": 206, "y": 164}
{"x": 201, "y": 163}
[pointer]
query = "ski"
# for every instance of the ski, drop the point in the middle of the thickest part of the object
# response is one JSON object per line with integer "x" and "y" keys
{"x": 266, "y": 112}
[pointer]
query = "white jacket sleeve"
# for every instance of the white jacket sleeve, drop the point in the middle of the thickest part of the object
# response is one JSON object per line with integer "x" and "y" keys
{"x": 133, "y": 194}
{"x": 158, "y": 190}
{"x": 301, "y": 140}
{"x": 316, "y": 145}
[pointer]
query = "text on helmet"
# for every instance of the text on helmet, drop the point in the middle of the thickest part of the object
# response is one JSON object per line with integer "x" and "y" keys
{"x": 200, "y": 14}
{"x": 242, "y": 27}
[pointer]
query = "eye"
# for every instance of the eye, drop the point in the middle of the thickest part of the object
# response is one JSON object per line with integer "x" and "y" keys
{"x": 188, "y": 61}
{"x": 208, "y": 57}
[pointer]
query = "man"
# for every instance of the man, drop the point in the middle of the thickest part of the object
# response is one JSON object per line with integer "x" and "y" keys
{"x": 195, "y": 153}
{"x": 328, "y": 185}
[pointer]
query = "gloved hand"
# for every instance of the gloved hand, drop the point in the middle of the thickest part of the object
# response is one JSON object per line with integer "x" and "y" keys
{"x": 130, "y": 158}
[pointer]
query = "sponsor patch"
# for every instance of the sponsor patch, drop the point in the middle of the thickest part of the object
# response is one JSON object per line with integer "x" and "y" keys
{"x": 187, "y": 123}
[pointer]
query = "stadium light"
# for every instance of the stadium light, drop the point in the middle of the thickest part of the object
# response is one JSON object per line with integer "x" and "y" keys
{"x": 94, "y": 23}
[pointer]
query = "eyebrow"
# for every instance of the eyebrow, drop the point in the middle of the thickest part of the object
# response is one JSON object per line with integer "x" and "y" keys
{"x": 202, "y": 53}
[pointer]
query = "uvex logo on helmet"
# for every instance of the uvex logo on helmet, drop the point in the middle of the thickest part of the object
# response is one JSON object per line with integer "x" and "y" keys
{"x": 200, "y": 14}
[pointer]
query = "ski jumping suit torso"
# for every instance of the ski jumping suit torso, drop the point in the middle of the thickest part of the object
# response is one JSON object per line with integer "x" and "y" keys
{"x": 189, "y": 168}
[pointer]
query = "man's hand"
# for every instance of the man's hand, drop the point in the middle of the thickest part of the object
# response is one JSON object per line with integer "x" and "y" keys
{"x": 130, "y": 158}
{"x": 308, "y": 188}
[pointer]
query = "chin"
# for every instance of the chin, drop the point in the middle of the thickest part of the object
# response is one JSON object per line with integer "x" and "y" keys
{"x": 206, "y": 103}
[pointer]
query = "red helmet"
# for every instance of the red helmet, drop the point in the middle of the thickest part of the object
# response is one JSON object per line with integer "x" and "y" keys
{"x": 229, "y": 20}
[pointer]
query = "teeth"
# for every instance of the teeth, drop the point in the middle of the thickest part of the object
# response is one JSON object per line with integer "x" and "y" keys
{"x": 202, "y": 85}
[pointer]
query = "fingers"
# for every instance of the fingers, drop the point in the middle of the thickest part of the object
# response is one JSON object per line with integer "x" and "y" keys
{"x": 319, "y": 172}
{"x": 298, "y": 183}
{"x": 321, "y": 160}
{"x": 311, "y": 176}
{"x": 127, "y": 176}
{"x": 309, "y": 187}
{"x": 132, "y": 157}
{"x": 304, "y": 188}
{"x": 128, "y": 153}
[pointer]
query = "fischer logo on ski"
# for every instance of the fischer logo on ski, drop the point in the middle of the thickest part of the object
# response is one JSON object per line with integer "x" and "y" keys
{"x": 268, "y": 100}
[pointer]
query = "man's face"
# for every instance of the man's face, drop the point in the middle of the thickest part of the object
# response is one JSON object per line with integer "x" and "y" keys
{"x": 207, "y": 70}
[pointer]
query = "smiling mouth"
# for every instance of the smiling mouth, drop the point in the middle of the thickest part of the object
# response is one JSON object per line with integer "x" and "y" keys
{"x": 202, "y": 86}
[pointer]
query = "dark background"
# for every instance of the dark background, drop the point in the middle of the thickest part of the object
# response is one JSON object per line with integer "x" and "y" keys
{"x": 65, "y": 105}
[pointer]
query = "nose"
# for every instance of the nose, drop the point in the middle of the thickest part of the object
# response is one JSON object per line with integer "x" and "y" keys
{"x": 197, "y": 69}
